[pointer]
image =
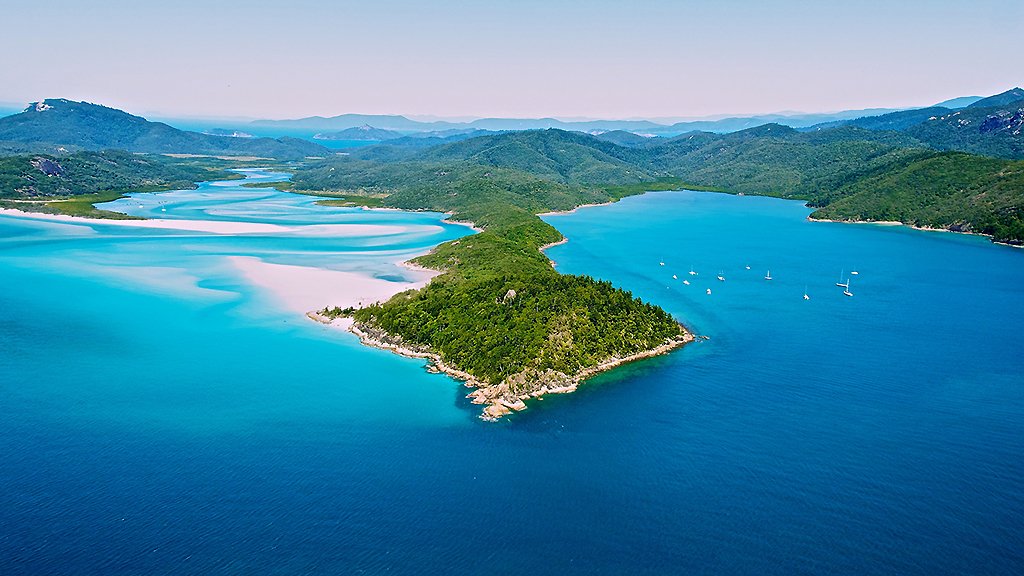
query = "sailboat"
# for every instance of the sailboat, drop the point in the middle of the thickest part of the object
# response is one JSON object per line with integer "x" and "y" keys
{"x": 846, "y": 290}
{"x": 674, "y": 277}
{"x": 720, "y": 277}
{"x": 692, "y": 273}
{"x": 855, "y": 273}
{"x": 768, "y": 276}
{"x": 840, "y": 283}
{"x": 748, "y": 267}
{"x": 661, "y": 263}
{"x": 687, "y": 282}
{"x": 709, "y": 291}
{"x": 806, "y": 297}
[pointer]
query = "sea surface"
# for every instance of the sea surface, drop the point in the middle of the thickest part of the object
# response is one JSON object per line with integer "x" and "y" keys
{"x": 163, "y": 416}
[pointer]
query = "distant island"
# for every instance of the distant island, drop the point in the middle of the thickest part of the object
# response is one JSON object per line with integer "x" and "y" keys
{"x": 229, "y": 133}
{"x": 361, "y": 133}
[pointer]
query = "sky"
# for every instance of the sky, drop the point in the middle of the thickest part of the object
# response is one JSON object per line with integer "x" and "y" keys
{"x": 524, "y": 58}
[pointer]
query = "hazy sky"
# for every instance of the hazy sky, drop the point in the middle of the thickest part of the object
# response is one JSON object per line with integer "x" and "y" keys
{"x": 563, "y": 58}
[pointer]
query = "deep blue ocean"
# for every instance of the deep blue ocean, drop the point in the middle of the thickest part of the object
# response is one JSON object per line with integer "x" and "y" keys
{"x": 163, "y": 416}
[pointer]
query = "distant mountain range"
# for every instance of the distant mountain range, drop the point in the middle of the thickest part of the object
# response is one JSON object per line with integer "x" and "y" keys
{"x": 58, "y": 125}
{"x": 396, "y": 123}
{"x": 990, "y": 126}
{"x": 644, "y": 127}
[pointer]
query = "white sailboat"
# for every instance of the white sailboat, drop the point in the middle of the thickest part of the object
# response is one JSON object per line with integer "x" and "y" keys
{"x": 806, "y": 297}
{"x": 846, "y": 291}
{"x": 768, "y": 276}
{"x": 687, "y": 282}
{"x": 674, "y": 277}
{"x": 721, "y": 278}
{"x": 840, "y": 283}
{"x": 709, "y": 291}
{"x": 692, "y": 273}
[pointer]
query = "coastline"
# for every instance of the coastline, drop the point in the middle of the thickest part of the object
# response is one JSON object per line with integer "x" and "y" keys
{"x": 564, "y": 240}
{"x": 573, "y": 210}
{"x": 498, "y": 401}
{"x": 914, "y": 227}
{"x": 470, "y": 225}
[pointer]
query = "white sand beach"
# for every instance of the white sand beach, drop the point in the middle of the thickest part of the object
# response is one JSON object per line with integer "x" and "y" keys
{"x": 303, "y": 289}
{"x": 224, "y": 227}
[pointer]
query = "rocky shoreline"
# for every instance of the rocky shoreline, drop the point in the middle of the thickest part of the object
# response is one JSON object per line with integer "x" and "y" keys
{"x": 509, "y": 395}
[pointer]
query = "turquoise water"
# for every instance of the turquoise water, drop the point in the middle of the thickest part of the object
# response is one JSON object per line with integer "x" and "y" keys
{"x": 260, "y": 131}
{"x": 163, "y": 416}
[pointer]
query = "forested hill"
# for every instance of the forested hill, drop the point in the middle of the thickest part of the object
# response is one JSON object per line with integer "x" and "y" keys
{"x": 992, "y": 126}
{"x": 44, "y": 176}
{"x": 570, "y": 157}
{"x": 500, "y": 311}
{"x": 821, "y": 167}
{"x": 72, "y": 183}
{"x": 58, "y": 125}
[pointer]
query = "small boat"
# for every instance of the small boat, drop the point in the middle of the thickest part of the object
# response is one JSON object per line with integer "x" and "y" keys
{"x": 709, "y": 291}
{"x": 768, "y": 276}
{"x": 840, "y": 283}
{"x": 806, "y": 297}
{"x": 748, "y": 267}
{"x": 661, "y": 263}
{"x": 163, "y": 209}
{"x": 855, "y": 273}
{"x": 720, "y": 277}
{"x": 692, "y": 273}
{"x": 687, "y": 282}
{"x": 674, "y": 277}
{"x": 846, "y": 291}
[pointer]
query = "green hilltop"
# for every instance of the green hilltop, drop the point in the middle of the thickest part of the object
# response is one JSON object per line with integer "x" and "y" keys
{"x": 72, "y": 183}
{"x": 57, "y": 125}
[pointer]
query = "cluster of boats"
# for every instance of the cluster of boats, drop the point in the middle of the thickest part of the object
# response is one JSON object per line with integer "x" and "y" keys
{"x": 768, "y": 276}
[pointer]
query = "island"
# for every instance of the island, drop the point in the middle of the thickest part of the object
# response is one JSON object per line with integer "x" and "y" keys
{"x": 499, "y": 316}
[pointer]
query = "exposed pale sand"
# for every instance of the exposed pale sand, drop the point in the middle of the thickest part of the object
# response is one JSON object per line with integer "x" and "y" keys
{"x": 222, "y": 227}
{"x": 564, "y": 212}
{"x": 303, "y": 289}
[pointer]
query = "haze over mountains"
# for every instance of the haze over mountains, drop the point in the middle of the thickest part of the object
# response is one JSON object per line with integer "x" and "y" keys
{"x": 989, "y": 126}
{"x": 400, "y": 123}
